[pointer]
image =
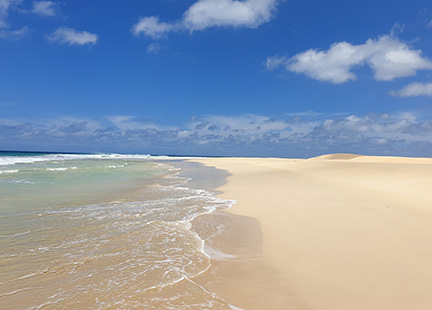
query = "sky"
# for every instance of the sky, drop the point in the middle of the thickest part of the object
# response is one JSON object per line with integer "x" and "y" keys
{"x": 286, "y": 78}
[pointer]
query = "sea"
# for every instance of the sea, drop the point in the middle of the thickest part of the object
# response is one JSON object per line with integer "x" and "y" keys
{"x": 101, "y": 231}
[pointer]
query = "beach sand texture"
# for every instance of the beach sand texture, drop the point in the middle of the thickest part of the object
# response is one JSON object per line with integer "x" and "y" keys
{"x": 334, "y": 232}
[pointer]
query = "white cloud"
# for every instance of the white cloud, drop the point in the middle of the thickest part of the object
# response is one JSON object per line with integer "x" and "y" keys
{"x": 45, "y": 8}
{"x": 211, "y": 13}
{"x": 152, "y": 27}
{"x": 154, "y": 48}
{"x": 387, "y": 56}
{"x": 391, "y": 58}
{"x": 228, "y": 13}
{"x": 413, "y": 90}
{"x": 73, "y": 37}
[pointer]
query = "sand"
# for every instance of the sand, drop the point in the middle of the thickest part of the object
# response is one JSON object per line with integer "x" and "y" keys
{"x": 339, "y": 231}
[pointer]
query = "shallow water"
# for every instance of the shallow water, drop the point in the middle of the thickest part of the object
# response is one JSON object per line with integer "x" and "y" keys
{"x": 101, "y": 232}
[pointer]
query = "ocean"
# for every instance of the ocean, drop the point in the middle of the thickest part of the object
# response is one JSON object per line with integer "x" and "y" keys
{"x": 103, "y": 231}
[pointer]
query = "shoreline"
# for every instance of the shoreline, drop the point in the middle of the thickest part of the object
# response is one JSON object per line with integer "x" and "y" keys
{"x": 338, "y": 232}
{"x": 237, "y": 274}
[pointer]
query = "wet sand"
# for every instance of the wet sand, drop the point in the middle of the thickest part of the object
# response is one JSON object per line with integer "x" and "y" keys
{"x": 335, "y": 232}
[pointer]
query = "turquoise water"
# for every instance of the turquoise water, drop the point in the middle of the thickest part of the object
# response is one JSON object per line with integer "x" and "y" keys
{"x": 100, "y": 232}
{"x": 58, "y": 183}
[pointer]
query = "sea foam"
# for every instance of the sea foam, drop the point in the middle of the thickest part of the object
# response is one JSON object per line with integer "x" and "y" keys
{"x": 12, "y": 160}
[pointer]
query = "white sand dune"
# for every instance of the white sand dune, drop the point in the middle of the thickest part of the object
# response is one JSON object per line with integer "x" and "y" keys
{"x": 344, "y": 231}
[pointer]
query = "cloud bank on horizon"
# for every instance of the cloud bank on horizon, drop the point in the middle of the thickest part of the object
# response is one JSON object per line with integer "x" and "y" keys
{"x": 303, "y": 135}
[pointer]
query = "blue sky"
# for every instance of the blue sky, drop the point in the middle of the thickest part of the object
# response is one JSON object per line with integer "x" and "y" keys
{"x": 291, "y": 78}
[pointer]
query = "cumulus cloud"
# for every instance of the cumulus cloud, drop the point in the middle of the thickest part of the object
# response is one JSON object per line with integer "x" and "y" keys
{"x": 247, "y": 135}
{"x": 73, "y": 37}
{"x": 211, "y": 13}
{"x": 228, "y": 13}
{"x": 387, "y": 56}
{"x": 152, "y": 27}
{"x": 45, "y": 8}
{"x": 413, "y": 90}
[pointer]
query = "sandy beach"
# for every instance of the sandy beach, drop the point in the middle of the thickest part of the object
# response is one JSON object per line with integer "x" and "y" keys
{"x": 335, "y": 232}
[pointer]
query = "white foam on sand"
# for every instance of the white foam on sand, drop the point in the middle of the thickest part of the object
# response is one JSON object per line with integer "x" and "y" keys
{"x": 8, "y": 171}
